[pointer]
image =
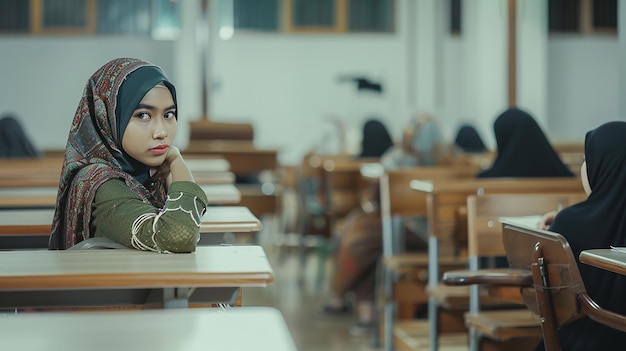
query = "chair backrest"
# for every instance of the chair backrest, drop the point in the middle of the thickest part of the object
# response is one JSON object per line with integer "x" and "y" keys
{"x": 557, "y": 284}
{"x": 397, "y": 199}
{"x": 98, "y": 243}
{"x": 483, "y": 212}
{"x": 485, "y": 231}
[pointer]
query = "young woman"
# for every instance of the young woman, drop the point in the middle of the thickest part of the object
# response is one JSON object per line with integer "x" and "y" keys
{"x": 122, "y": 177}
{"x": 597, "y": 222}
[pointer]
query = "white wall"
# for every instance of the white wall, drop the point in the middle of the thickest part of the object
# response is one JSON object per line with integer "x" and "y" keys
{"x": 286, "y": 84}
{"x": 583, "y": 85}
{"x": 44, "y": 77}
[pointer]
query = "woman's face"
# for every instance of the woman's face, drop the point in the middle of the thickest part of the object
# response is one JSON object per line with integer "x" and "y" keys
{"x": 584, "y": 179}
{"x": 152, "y": 128}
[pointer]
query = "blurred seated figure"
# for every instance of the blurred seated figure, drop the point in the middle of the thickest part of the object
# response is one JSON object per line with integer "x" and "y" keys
{"x": 14, "y": 143}
{"x": 523, "y": 150}
{"x": 375, "y": 139}
{"x": 360, "y": 241}
{"x": 468, "y": 140}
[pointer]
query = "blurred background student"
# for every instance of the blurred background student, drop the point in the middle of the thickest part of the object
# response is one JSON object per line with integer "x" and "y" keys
{"x": 360, "y": 240}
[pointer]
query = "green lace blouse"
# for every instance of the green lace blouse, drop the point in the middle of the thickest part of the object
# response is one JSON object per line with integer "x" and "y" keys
{"x": 119, "y": 214}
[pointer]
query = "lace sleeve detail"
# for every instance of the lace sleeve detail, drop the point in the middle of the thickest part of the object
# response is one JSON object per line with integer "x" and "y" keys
{"x": 172, "y": 204}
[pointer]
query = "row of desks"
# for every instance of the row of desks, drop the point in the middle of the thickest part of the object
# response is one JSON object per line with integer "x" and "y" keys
{"x": 139, "y": 280}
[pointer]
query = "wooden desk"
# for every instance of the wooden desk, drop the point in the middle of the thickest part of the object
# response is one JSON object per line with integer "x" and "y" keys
{"x": 71, "y": 278}
{"x": 46, "y": 196}
{"x": 243, "y": 157}
{"x": 30, "y": 228}
{"x": 219, "y": 194}
{"x": 246, "y": 328}
{"x": 207, "y": 164}
{"x": 219, "y": 219}
{"x": 202, "y": 177}
{"x": 609, "y": 259}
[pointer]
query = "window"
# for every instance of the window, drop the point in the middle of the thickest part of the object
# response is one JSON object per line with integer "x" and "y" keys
{"x": 14, "y": 16}
{"x": 158, "y": 18}
{"x": 256, "y": 14}
{"x": 582, "y": 16}
{"x": 302, "y": 16}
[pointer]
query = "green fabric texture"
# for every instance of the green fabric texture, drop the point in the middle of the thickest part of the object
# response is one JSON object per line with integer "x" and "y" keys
{"x": 116, "y": 208}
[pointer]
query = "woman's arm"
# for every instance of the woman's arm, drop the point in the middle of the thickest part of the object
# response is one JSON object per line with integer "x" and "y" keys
{"x": 174, "y": 169}
{"x": 121, "y": 215}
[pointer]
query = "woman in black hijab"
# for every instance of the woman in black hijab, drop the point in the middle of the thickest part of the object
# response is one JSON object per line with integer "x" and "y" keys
{"x": 523, "y": 149}
{"x": 468, "y": 140}
{"x": 376, "y": 139}
{"x": 598, "y": 223}
{"x": 14, "y": 143}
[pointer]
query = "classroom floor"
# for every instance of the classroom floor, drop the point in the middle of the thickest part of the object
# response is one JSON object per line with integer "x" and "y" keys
{"x": 298, "y": 301}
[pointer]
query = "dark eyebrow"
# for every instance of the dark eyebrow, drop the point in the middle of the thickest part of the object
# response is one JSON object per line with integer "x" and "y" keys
{"x": 148, "y": 107}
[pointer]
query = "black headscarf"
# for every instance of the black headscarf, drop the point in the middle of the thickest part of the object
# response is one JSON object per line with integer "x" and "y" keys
{"x": 598, "y": 223}
{"x": 14, "y": 143}
{"x": 468, "y": 139}
{"x": 376, "y": 139}
{"x": 523, "y": 149}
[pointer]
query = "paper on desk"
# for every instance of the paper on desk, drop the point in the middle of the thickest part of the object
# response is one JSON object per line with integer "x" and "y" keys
{"x": 523, "y": 221}
{"x": 618, "y": 249}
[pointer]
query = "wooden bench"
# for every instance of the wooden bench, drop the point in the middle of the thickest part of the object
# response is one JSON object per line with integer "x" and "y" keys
{"x": 447, "y": 221}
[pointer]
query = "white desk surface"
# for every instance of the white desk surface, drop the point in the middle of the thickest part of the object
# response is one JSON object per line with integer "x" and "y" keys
{"x": 217, "y": 219}
{"x": 242, "y": 328}
{"x": 209, "y": 266}
{"x": 219, "y": 194}
{"x": 613, "y": 260}
{"x": 212, "y": 164}
{"x": 220, "y": 219}
{"x": 45, "y": 196}
{"x": 522, "y": 221}
{"x": 212, "y": 274}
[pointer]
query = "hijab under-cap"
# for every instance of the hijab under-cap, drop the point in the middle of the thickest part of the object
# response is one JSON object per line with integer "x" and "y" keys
{"x": 523, "y": 149}
{"x": 94, "y": 152}
{"x": 597, "y": 223}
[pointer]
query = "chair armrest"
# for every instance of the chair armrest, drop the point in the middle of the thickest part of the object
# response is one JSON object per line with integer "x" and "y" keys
{"x": 501, "y": 276}
{"x": 600, "y": 315}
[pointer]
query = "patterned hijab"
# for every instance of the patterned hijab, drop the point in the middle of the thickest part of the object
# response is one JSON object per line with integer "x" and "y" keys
{"x": 523, "y": 149}
{"x": 94, "y": 152}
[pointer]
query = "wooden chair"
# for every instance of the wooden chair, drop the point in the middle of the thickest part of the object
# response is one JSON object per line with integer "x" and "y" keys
{"x": 545, "y": 270}
{"x": 402, "y": 276}
{"x": 510, "y": 328}
{"x": 447, "y": 220}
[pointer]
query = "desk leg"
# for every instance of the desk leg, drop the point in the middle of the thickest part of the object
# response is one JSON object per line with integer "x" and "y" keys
{"x": 176, "y": 298}
{"x": 433, "y": 280}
